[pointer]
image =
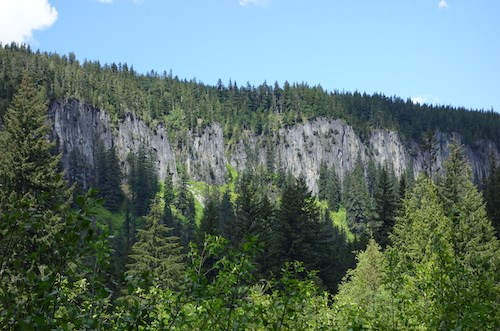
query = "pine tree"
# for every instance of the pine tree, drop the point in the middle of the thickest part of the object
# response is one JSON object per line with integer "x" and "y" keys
{"x": 386, "y": 204}
{"x": 247, "y": 211}
{"x": 444, "y": 256}
{"x": 492, "y": 195}
{"x": 44, "y": 241}
{"x": 186, "y": 206}
{"x": 420, "y": 260}
{"x": 358, "y": 203}
{"x": 430, "y": 148}
{"x": 209, "y": 224}
{"x": 329, "y": 187}
{"x": 156, "y": 256}
{"x": 28, "y": 167}
{"x": 363, "y": 301}
{"x": 109, "y": 177}
{"x": 142, "y": 179}
{"x": 226, "y": 215}
{"x": 476, "y": 250}
{"x": 169, "y": 199}
{"x": 301, "y": 233}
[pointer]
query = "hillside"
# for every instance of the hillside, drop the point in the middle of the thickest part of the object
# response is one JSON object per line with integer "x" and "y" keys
{"x": 293, "y": 128}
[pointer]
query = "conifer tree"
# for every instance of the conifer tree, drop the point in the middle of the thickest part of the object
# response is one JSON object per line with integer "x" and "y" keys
{"x": 492, "y": 195}
{"x": 209, "y": 224}
{"x": 358, "y": 203}
{"x": 186, "y": 206}
{"x": 169, "y": 200}
{"x": 156, "y": 256}
{"x": 386, "y": 204}
{"x": 301, "y": 233}
{"x": 329, "y": 187}
{"x": 420, "y": 258}
{"x": 247, "y": 211}
{"x": 444, "y": 257}
{"x": 109, "y": 177}
{"x": 226, "y": 215}
{"x": 143, "y": 180}
{"x": 43, "y": 241}
{"x": 363, "y": 301}
{"x": 476, "y": 251}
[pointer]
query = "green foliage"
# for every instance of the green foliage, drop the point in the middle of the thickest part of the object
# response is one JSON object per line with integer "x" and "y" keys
{"x": 358, "y": 203}
{"x": 109, "y": 177}
{"x": 142, "y": 179}
{"x": 386, "y": 204}
{"x": 329, "y": 187}
{"x": 363, "y": 301}
{"x": 155, "y": 256}
{"x": 491, "y": 194}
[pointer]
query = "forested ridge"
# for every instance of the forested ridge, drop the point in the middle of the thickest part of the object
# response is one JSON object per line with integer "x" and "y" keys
{"x": 372, "y": 252}
{"x": 182, "y": 104}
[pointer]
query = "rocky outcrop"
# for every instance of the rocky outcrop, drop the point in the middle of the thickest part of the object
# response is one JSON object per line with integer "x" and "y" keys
{"x": 299, "y": 149}
{"x": 79, "y": 128}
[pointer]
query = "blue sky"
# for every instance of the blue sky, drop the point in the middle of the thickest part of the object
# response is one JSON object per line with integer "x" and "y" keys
{"x": 434, "y": 51}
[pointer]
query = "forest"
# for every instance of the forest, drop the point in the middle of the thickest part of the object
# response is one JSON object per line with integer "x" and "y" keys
{"x": 261, "y": 252}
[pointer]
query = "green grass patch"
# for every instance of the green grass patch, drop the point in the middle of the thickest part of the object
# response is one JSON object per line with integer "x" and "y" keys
{"x": 113, "y": 220}
{"x": 339, "y": 219}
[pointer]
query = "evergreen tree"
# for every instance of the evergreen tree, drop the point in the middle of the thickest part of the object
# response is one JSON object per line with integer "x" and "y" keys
{"x": 169, "y": 200}
{"x": 142, "y": 179}
{"x": 44, "y": 241}
{"x": 301, "y": 232}
{"x": 358, "y": 203}
{"x": 329, "y": 187}
{"x": 363, "y": 301}
{"x": 209, "y": 224}
{"x": 430, "y": 149}
{"x": 247, "y": 211}
{"x": 420, "y": 259}
{"x": 476, "y": 251}
{"x": 28, "y": 167}
{"x": 386, "y": 204}
{"x": 444, "y": 257}
{"x": 109, "y": 177}
{"x": 226, "y": 215}
{"x": 156, "y": 256}
{"x": 492, "y": 195}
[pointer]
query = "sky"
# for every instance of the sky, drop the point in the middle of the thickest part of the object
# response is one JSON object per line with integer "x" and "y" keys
{"x": 444, "y": 52}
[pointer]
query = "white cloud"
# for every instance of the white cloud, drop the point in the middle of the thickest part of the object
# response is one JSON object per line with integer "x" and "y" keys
{"x": 443, "y": 4}
{"x": 19, "y": 18}
{"x": 246, "y": 3}
{"x": 421, "y": 99}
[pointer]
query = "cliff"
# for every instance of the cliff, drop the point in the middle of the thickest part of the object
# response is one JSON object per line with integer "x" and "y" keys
{"x": 298, "y": 149}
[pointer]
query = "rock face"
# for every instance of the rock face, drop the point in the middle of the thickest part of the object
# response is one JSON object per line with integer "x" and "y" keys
{"x": 79, "y": 128}
{"x": 298, "y": 149}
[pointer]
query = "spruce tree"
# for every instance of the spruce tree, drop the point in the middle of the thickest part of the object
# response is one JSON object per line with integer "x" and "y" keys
{"x": 358, "y": 203}
{"x": 363, "y": 301}
{"x": 386, "y": 204}
{"x": 43, "y": 240}
{"x": 142, "y": 179}
{"x": 492, "y": 195}
{"x": 476, "y": 250}
{"x": 209, "y": 224}
{"x": 329, "y": 187}
{"x": 156, "y": 257}
{"x": 247, "y": 211}
{"x": 301, "y": 233}
{"x": 420, "y": 260}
